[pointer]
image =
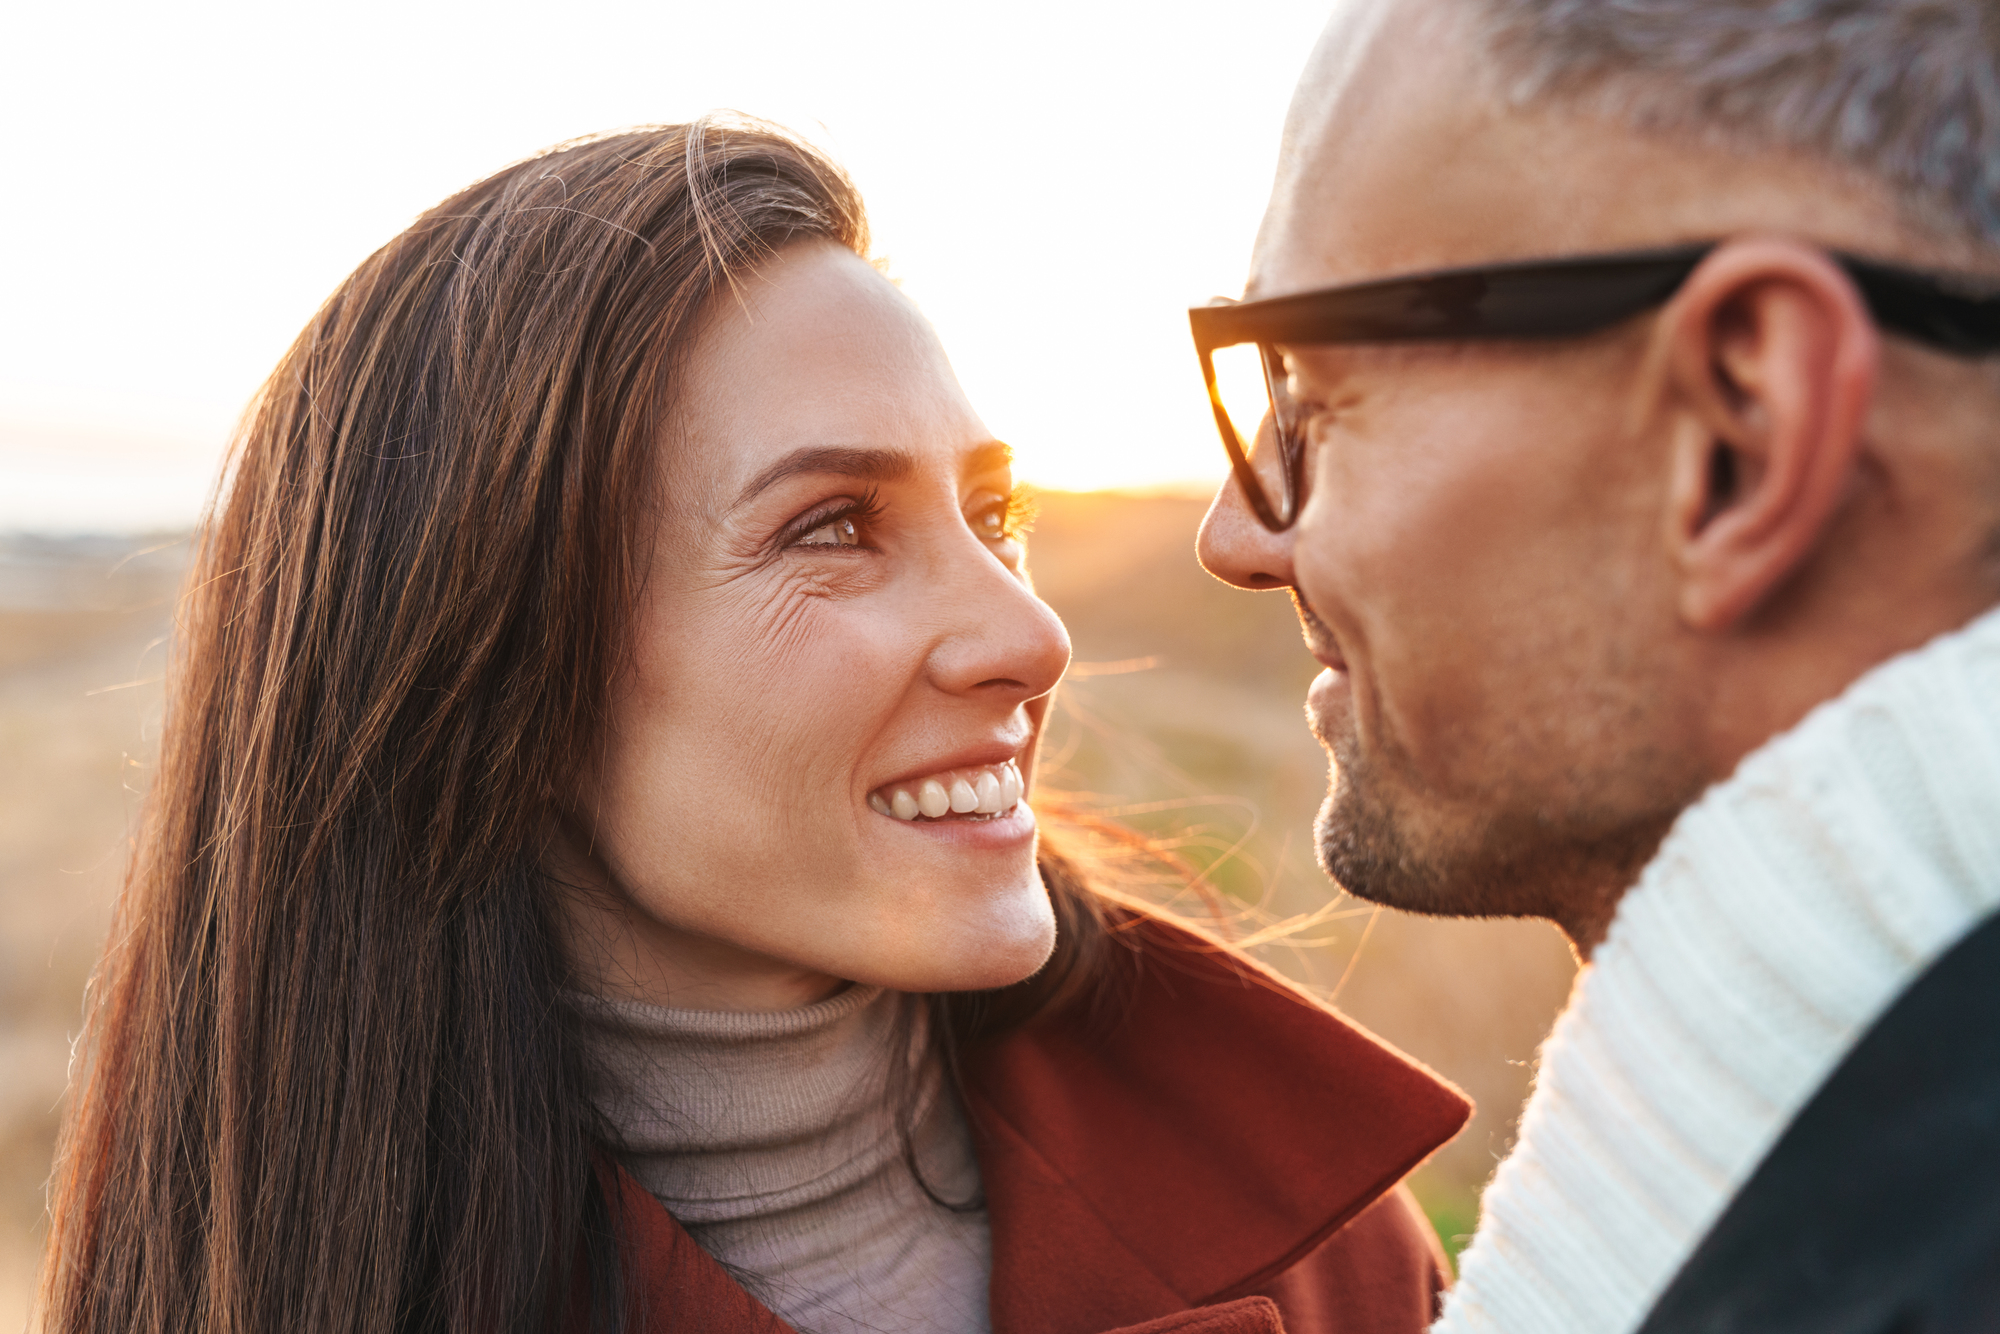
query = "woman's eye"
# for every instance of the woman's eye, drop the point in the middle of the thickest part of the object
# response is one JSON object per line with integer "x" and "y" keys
{"x": 839, "y": 533}
{"x": 1006, "y": 518}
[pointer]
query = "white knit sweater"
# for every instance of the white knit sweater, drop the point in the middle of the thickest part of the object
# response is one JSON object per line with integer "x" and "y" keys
{"x": 1785, "y": 911}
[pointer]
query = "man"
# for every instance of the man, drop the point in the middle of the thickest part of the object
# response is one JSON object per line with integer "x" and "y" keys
{"x": 1655, "y": 589}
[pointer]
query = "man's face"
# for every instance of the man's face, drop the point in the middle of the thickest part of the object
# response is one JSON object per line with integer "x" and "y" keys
{"x": 1509, "y": 697}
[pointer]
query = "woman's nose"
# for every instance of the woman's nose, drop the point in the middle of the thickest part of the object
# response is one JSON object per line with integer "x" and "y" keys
{"x": 1004, "y": 640}
{"x": 1237, "y": 549}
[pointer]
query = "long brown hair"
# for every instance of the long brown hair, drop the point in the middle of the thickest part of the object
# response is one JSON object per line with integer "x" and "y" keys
{"x": 325, "y": 1082}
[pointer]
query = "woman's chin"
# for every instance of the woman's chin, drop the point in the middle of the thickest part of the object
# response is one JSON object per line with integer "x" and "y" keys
{"x": 1003, "y": 940}
{"x": 1005, "y": 961}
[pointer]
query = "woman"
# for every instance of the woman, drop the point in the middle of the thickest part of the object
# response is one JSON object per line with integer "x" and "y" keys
{"x": 588, "y": 883}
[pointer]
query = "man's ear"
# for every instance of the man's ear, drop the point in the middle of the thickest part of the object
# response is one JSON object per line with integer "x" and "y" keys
{"x": 1771, "y": 360}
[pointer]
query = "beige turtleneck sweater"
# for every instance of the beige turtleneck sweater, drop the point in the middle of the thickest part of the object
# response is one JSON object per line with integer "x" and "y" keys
{"x": 772, "y": 1139}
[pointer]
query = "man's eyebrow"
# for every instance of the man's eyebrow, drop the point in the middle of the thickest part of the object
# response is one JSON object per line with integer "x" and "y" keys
{"x": 873, "y": 465}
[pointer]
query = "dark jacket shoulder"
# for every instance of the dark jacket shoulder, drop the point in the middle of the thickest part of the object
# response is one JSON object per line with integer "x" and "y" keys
{"x": 1878, "y": 1210}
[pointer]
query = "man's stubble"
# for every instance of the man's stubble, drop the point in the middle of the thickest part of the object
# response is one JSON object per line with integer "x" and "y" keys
{"x": 1564, "y": 813}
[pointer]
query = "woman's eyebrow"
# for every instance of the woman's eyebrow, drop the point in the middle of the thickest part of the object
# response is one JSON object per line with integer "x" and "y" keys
{"x": 873, "y": 465}
{"x": 987, "y": 456}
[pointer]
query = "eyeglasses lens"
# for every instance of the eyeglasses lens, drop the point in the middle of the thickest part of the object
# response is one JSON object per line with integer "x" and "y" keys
{"x": 1246, "y": 397}
{"x": 1239, "y": 378}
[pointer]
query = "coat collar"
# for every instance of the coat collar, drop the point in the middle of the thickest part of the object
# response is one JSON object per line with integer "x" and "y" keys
{"x": 1190, "y": 1148}
{"x": 673, "y": 1285}
{"x": 1183, "y": 1148}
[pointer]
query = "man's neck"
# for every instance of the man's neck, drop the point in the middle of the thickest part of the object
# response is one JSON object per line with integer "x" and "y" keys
{"x": 1754, "y": 690}
{"x": 1786, "y": 909}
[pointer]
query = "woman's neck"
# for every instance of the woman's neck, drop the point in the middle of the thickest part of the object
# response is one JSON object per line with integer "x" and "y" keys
{"x": 778, "y": 1141}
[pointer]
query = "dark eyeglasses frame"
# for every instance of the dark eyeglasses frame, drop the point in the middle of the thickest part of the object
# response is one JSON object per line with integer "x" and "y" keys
{"x": 1558, "y": 298}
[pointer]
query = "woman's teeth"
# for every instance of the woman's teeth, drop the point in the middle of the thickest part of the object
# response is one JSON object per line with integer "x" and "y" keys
{"x": 973, "y": 793}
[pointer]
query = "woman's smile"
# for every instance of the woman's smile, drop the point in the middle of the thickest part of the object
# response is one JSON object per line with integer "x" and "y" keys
{"x": 969, "y": 792}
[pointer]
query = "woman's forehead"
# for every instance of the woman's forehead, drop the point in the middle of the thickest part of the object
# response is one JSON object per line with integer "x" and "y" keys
{"x": 816, "y": 350}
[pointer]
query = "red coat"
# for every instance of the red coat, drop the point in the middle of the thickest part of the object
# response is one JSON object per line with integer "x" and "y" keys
{"x": 1222, "y": 1142}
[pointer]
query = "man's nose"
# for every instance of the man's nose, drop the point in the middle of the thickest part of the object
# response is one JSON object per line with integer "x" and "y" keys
{"x": 1237, "y": 549}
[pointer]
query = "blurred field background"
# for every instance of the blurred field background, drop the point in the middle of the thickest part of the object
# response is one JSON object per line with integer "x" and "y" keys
{"x": 82, "y": 625}
{"x": 1182, "y": 717}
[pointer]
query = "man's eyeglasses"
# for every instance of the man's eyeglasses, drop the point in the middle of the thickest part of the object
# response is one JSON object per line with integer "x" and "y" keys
{"x": 1539, "y": 299}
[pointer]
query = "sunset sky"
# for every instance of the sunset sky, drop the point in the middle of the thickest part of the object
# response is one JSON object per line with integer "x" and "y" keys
{"x": 1052, "y": 182}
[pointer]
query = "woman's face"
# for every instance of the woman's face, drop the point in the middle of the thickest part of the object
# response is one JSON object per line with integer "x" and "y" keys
{"x": 836, "y": 635}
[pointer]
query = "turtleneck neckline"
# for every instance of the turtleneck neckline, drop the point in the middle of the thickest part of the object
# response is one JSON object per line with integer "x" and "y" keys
{"x": 707, "y": 1025}
{"x": 1784, "y": 913}
{"x": 773, "y": 1138}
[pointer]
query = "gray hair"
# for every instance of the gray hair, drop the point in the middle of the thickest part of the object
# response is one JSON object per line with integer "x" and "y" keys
{"x": 1904, "y": 91}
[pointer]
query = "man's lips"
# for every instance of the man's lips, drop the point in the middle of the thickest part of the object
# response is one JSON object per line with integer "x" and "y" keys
{"x": 1319, "y": 639}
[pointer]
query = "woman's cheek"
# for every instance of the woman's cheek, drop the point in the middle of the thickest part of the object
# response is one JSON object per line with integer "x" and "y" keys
{"x": 808, "y": 602}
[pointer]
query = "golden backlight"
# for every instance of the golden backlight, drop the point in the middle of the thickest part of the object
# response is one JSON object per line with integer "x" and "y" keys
{"x": 1053, "y": 183}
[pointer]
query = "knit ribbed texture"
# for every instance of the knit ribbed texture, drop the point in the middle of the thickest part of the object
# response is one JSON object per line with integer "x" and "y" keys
{"x": 1783, "y": 914}
{"x": 772, "y": 1139}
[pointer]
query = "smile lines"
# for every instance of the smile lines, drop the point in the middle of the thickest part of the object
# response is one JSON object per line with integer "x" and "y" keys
{"x": 982, "y": 792}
